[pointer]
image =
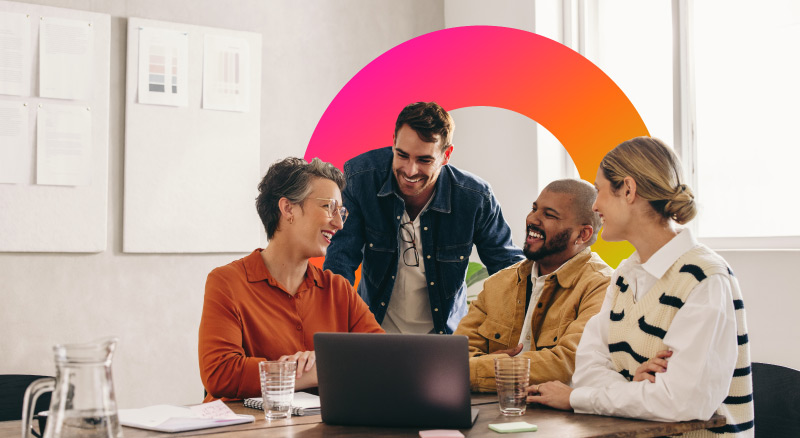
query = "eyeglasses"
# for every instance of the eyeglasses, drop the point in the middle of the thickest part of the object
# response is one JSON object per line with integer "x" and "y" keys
{"x": 407, "y": 235}
{"x": 333, "y": 207}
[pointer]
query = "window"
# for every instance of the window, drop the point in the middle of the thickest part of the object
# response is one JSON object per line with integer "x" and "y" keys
{"x": 718, "y": 80}
{"x": 747, "y": 89}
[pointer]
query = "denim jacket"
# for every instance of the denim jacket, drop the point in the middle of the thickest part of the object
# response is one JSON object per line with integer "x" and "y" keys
{"x": 462, "y": 212}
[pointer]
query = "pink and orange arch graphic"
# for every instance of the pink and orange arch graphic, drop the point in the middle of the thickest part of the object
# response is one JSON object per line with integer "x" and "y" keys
{"x": 484, "y": 66}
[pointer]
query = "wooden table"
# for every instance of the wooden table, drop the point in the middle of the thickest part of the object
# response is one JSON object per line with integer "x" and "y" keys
{"x": 552, "y": 423}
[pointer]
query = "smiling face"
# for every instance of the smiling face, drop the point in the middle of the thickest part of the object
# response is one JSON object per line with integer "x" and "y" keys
{"x": 612, "y": 209}
{"x": 313, "y": 227}
{"x": 550, "y": 228}
{"x": 417, "y": 163}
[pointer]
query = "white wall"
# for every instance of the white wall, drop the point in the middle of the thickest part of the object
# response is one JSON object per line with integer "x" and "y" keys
{"x": 153, "y": 302}
{"x": 772, "y": 299}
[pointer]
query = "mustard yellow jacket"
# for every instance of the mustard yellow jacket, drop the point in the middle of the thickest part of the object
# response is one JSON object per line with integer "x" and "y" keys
{"x": 494, "y": 321}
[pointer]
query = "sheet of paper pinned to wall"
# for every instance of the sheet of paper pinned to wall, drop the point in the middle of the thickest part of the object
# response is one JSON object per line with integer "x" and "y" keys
{"x": 66, "y": 58}
{"x": 226, "y": 73}
{"x": 64, "y": 145}
{"x": 15, "y": 53}
{"x": 163, "y": 67}
{"x": 13, "y": 140}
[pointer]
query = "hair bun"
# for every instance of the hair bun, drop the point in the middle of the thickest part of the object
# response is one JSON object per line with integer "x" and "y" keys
{"x": 681, "y": 208}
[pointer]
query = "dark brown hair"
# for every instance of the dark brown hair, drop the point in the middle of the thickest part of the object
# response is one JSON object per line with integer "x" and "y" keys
{"x": 427, "y": 119}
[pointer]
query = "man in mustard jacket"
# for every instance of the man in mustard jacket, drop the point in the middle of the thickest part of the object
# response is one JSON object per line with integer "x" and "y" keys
{"x": 537, "y": 308}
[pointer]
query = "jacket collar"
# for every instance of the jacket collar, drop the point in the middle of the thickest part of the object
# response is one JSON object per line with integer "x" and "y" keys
{"x": 441, "y": 194}
{"x": 567, "y": 274}
{"x": 257, "y": 271}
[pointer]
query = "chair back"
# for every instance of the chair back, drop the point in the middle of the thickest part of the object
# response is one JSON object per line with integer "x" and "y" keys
{"x": 776, "y": 400}
{"x": 12, "y": 391}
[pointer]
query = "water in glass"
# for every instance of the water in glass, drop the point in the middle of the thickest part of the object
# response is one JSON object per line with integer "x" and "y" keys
{"x": 277, "y": 388}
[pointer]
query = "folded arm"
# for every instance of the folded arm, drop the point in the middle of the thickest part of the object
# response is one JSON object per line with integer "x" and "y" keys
{"x": 703, "y": 341}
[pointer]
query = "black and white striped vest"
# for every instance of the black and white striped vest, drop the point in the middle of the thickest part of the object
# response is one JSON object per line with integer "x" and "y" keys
{"x": 637, "y": 330}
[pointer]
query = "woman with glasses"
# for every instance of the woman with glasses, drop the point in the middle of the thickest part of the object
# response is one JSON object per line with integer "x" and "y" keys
{"x": 268, "y": 305}
{"x": 670, "y": 342}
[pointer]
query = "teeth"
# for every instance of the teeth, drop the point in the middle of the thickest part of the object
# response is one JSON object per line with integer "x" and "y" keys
{"x": 327, "y": 235}
{"x": 411, "y": 180}
{"x": 535, "y": 235}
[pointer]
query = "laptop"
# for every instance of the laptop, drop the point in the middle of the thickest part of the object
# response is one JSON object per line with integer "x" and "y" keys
{"x": 368, "y": 379}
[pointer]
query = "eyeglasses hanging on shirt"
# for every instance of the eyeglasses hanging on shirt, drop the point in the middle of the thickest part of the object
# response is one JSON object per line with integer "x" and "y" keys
{"x": 410, "y": 255}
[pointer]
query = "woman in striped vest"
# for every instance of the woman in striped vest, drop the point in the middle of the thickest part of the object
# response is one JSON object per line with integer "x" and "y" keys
{"x": 670, "y": 342}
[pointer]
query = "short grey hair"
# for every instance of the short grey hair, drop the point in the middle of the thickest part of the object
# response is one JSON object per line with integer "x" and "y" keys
{"x": 290, "y": 178}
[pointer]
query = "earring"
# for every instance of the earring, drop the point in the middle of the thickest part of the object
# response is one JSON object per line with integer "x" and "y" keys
{"x": 291, "y": 220}
{"x": 576, "y": 242}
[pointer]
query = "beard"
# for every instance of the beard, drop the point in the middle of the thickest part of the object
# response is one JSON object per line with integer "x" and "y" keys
{"x": 557, "y": 244}
{"x": 399, "y": 177}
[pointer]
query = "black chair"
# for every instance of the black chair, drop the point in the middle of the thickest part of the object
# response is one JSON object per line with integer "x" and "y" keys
{"x": 12, "y": 391}
{"x": 776, "y": 399}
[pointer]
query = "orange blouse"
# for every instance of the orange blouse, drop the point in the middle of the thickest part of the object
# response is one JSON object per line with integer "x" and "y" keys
{"x": 249, "y": 317}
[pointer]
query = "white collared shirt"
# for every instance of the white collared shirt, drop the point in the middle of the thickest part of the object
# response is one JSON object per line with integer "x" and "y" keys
{"x": 702, "y": 337}
{"x": 409, "y": 308}
{"x": 536, "y": 292}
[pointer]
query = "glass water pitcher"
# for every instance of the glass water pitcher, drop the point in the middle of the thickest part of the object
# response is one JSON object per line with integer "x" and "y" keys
{"x": 83, "y": 402}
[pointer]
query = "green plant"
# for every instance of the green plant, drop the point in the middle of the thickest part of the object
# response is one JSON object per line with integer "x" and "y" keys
{"x": 475, "y": 273}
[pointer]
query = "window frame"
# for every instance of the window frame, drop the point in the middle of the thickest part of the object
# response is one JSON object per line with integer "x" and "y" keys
{"x": 578, "y": 29}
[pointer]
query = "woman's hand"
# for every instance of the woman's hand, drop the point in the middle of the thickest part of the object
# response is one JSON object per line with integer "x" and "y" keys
{"x": 305, "y": 361}
{"x": 554, "y": 394}
{"x": 647, "y": 371}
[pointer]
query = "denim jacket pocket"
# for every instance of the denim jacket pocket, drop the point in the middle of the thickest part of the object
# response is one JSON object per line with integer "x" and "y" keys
{"x": 452, "y": 265}
{"x": 379, "y": 250}
{"x": 497, "y": 334}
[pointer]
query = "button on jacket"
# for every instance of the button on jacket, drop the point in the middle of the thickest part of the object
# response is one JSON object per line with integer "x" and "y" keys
{"x": 571, "y": 296}
{"x": 463, "y": 212}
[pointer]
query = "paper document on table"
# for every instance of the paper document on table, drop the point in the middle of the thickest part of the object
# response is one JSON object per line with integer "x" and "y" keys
{"x": 168, "y": 418}
{"x": 66, "y": 58}
{"x": 13, "y": 140}
{"x": 64, "y": 145}
{"x": 15, "y": 53}
{"x": 216, "y": 410}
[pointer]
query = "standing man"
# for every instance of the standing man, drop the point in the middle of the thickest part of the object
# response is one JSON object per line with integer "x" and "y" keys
{"x": 538, "y": 308}
{"x": 413, "y": 221}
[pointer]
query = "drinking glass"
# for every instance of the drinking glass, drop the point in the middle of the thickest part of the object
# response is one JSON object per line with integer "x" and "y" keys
{"x": 511, "y": 376}
{"x": 277, "y": 387}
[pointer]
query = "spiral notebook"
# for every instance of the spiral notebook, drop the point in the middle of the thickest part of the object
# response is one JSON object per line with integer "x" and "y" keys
{"x": 303, "y": 404}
